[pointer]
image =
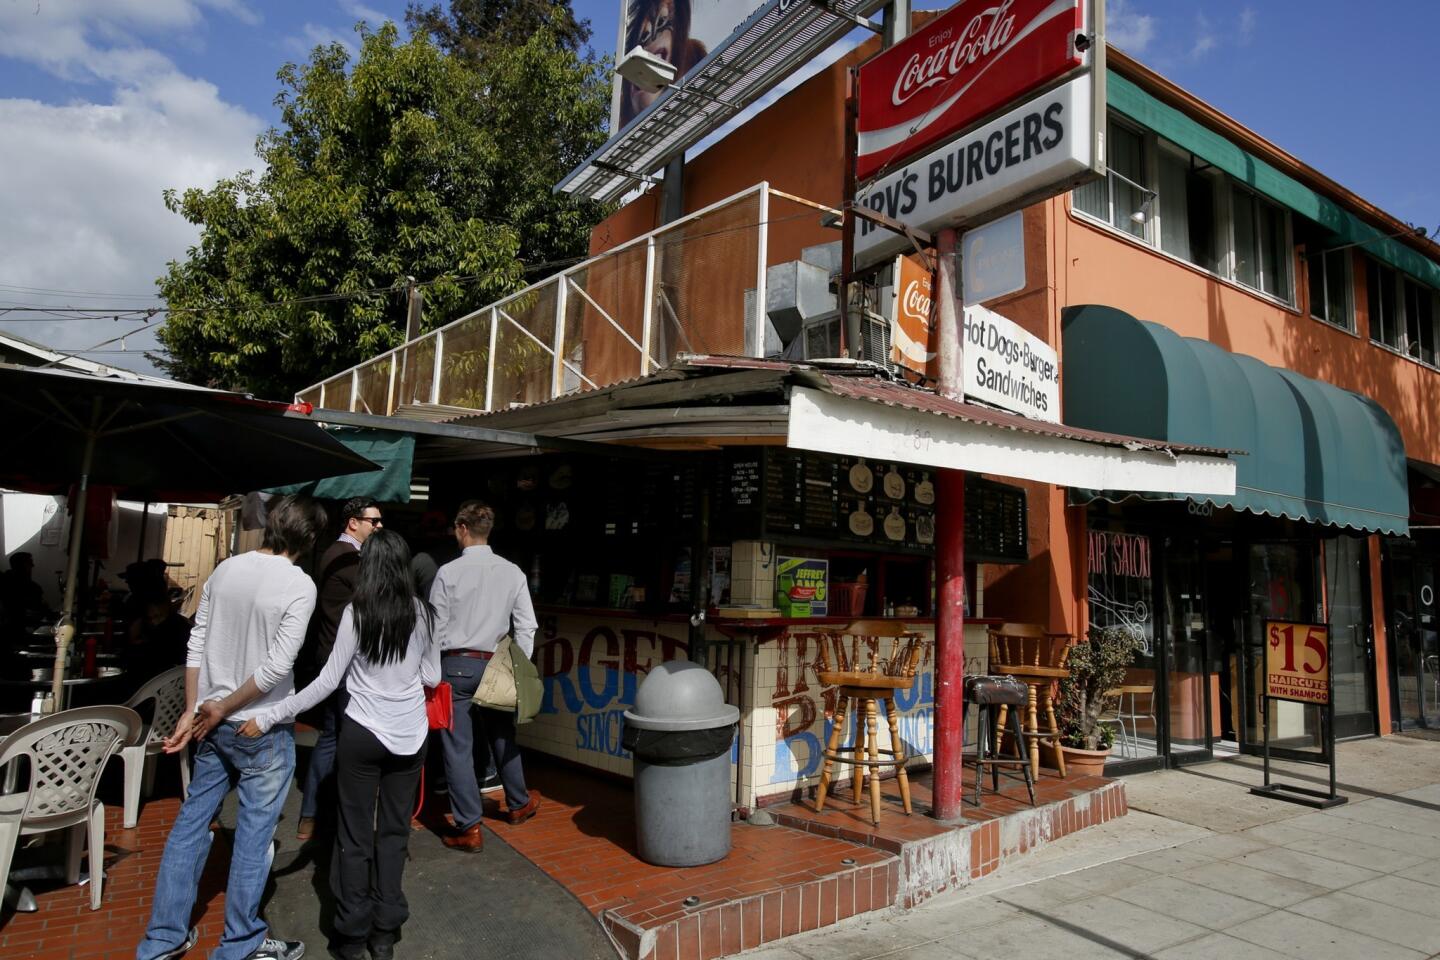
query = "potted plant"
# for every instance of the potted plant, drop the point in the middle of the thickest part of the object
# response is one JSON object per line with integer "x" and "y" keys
{"x": 1097, "y": 666}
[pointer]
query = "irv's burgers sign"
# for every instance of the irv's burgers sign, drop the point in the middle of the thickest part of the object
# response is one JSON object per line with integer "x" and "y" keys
{"x": 972, "y": 60}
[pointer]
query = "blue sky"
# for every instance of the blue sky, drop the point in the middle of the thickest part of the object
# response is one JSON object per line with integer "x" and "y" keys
{"x": 104, "y": 103}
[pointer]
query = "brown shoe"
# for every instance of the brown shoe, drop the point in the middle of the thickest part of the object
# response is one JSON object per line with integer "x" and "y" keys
{"x": 305, "y": 829}
{"x": 517, "y": 817}
{"x": 470, "y": 841}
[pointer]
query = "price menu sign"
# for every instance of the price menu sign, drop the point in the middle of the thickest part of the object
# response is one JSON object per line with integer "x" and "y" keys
{"x": 1297, "y": 661}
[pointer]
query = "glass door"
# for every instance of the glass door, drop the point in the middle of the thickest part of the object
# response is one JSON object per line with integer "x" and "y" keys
{"x": 1283, "y": 585}
{"x": 1192, "y": 691}
{"x": 1352, "y": 656}
{"x": 1416, "y": 642}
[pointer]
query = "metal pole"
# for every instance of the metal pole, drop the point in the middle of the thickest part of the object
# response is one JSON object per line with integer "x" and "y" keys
{"x": 850, "y": 342}
{"x": 65, "y": 632}
{"x": 896, "y": 22}
{"x": 949, "y": 555}
{"x": 144, "y": 522}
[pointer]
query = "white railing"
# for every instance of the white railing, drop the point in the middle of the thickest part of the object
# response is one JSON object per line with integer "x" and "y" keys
{"x": 696, "y": 285}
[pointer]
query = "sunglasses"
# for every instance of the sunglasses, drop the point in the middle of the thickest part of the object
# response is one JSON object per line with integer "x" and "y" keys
{"x": 377, "y": 521}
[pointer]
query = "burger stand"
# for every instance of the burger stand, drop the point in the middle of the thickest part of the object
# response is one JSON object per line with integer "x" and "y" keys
{"x": 728, "y": 510}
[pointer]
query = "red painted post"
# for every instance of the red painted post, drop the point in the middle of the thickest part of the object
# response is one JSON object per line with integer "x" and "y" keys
{"x": 949, "y": 555}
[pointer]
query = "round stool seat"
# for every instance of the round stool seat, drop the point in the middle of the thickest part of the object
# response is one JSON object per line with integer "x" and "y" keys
{"x": 989, "y": 691}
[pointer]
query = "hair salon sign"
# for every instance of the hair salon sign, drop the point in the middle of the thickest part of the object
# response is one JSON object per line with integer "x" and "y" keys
{"x": 974, "y": 59}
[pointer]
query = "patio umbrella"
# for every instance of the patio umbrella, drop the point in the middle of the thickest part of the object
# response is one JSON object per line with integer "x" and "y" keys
{"x": 151, "y": 441}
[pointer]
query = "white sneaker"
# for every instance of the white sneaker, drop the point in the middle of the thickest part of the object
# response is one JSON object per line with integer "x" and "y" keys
{"x": 190, "y": 940}
{"x": 279, "y": 950}
{"x": 492, "y": 785}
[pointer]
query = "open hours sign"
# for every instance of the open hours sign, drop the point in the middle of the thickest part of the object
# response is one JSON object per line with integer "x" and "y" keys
{"x": 1297, "y": 661}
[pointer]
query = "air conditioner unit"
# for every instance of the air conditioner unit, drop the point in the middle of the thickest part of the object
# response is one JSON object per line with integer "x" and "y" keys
{"x": 820, "y": 338}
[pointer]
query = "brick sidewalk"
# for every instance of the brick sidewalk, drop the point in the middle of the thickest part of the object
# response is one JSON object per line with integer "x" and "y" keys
{"x": 65, "y": 928}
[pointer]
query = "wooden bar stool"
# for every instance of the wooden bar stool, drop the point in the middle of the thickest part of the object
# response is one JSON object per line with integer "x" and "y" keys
{"x": 868, "y": 661}
{"x": 1036, "y": 658}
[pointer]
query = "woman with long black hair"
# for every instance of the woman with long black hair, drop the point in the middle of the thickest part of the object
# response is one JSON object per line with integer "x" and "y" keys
{"x": 385, "y": 653}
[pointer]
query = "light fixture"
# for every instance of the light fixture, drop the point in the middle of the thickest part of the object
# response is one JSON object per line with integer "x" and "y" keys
{"x": 1147, "y": 197}
{"x": 647, "y": 71}
{"x": 1141, "y": 215}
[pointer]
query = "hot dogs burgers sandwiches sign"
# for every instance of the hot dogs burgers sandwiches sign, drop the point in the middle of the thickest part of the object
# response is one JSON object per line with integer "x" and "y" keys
{"x": 1034, "y": 61}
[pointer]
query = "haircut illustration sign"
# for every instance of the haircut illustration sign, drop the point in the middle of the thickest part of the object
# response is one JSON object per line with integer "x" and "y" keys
{"x": 1036, "y": 149}
{"x": 968, "y": 62}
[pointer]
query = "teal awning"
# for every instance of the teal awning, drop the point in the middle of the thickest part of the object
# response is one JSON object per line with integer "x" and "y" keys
{"x": 1312, "y": 451}
{"x": 1127, "y": 98}
{"x": 393, "y": 452}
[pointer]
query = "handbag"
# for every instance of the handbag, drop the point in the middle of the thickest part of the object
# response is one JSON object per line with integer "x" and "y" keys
{"x": 497, "y": 686}
{"x": 439, "y": 708}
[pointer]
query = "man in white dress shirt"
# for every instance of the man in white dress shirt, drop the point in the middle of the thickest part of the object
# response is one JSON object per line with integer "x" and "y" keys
{"x": 479, "y": 598}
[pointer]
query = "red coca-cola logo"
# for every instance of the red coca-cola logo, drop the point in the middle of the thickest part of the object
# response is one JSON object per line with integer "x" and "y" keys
{"x": 986, "y": 33}
{"x": 965, "y": 65}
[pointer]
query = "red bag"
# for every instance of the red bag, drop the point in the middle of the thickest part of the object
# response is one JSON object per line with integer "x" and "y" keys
{"x": 439, "y": 709}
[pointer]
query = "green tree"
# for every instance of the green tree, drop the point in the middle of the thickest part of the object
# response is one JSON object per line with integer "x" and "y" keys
{"x": 410, "y": 162}
{"x": 472, "y": 27}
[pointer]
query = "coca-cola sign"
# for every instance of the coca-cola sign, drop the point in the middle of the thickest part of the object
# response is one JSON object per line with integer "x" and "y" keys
{"x": 975, "y": 59}
{"x": 912, "y": 331}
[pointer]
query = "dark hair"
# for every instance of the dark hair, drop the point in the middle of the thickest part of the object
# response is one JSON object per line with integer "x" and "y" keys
{"x": 385, "y": 607}
{"x": 354, "y": 508}
{"x": 291, "y": 525}
{"x": 477, "y": 516}
{"x": 21, "y": 556}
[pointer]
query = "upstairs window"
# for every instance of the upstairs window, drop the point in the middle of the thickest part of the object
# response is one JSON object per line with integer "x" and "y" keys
{"x": 1419, "y": 321}
{"x": 1330, "y": 290}
{"x": 1164, "y": 196}
{"x": 1380, "y": 294}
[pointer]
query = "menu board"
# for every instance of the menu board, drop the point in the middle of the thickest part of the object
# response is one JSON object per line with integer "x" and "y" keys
{"x": 782, "y": 493}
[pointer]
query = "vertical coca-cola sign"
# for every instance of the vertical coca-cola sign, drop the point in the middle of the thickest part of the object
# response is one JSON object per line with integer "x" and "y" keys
{"x": 971, "y": 61}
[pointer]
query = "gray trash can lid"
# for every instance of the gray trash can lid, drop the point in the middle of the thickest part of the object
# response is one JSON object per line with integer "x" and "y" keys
{"x": 680, "y": 695}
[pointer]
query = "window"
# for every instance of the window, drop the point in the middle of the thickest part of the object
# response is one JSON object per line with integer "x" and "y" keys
{"x": 1121, "y": 199}
{"x": 1380, "y": 294}
{"x": 1402, "y": 312}
{"x": 1419, "y": 321}
{"x": 1261, "y": 246}
{"x": 1330, "y": 288}
{"x": 1164, "y": 196}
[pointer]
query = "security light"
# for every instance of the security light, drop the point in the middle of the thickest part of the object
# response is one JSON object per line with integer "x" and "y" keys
{"x": 647, "y": 71}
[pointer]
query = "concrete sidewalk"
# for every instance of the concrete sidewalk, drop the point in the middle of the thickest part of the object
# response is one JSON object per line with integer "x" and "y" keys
{"x": 1201, "y": 868}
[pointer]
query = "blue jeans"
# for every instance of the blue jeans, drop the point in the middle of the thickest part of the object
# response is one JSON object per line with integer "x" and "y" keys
{"x": 496, "y": 727}
{"x": 322, "y": 758}
{"x": 260, "y": 768}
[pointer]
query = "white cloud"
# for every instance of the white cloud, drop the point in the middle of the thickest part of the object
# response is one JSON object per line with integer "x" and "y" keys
{"x": 83, "y": 180}
{"x": 314, "y": 35}
{"x": 1205, "y": 38}
{"x": 360, "y": 11}
{"x": 1248, "y": 17}
{"x": 1126, "y": 29}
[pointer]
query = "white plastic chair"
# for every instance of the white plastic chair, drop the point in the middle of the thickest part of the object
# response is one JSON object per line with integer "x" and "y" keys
{"x": 168, "y": 692}
{"x": 67, "y": 752}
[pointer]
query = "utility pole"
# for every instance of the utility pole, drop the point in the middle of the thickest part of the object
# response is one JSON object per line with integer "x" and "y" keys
{"x": 949, "y": 549}
{"x": 414, "y": 306}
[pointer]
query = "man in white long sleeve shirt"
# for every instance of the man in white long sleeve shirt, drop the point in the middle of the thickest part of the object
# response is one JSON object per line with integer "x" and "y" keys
{"x": 478, "y": 598}
{"x": 248, "y": 629}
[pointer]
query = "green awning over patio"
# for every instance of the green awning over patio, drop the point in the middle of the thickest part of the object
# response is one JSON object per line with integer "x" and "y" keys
{"x": 394, "y": 452}
{"x": 1311, "y": 451}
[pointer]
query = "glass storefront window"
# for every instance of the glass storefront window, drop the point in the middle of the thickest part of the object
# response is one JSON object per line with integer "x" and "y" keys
{"x": 1122, "y": 594}
{"x": 1282, "y": 587}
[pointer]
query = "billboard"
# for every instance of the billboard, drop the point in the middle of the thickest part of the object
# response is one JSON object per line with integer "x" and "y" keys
{"x": 1033, "y": 150}
{"x": 680, "y": 31}
{"x": 970, "y": 61}
{"x": 912, "y": 333}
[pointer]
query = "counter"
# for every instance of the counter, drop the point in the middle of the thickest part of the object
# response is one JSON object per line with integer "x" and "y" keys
{"x": 592, "y": 661}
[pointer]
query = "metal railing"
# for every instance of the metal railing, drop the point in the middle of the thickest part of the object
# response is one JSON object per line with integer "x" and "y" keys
{"x": 696, "y": 285}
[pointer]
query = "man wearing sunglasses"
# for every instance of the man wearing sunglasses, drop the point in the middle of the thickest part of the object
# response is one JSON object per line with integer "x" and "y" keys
{"x": 335, "y": 576}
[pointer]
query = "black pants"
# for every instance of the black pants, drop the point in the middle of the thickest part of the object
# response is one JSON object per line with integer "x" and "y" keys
{"x": 371, "y": 844}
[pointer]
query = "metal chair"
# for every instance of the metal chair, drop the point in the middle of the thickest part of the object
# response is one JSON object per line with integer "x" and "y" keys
{"x": 1128, "y": 722}
{"x": 866, "y": 674}
{"x": 1035, "y": 657}
{"x": 67, "y": 752}
{"x": 168, "y": 693}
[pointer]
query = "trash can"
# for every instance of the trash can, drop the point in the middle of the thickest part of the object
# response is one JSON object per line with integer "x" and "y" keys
{"x": 679, "y": 732}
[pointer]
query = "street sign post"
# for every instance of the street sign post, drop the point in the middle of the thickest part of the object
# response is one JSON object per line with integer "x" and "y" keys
{"x": 1298, "y": 670}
